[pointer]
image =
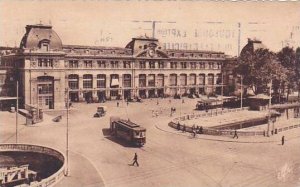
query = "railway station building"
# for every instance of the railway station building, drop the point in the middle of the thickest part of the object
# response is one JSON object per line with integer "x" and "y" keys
{"x": 48, "y": 70}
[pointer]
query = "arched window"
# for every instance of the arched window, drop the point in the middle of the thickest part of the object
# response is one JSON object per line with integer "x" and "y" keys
{"x": 202, "y": 79}
{"x": 44, "y": 45}
{"x": 73, "y": 81}
{"x": 210, "y": 79}
{"x": 192, "y": 79}
{"x": 87, "y": 81}
{"x": 142, "y": 80}
{"x": 126, "y": 80}
{"x": 173, "y": 80}
{"x": 183, "y": 79}
{"x": 101, "y": 81}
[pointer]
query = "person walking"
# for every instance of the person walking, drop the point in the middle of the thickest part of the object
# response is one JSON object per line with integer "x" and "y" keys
{"x": 282, "y": 140}
{"x": 118, "y": 104}
{"x": 135, "y": 160}
{"x": 235, "y": 135}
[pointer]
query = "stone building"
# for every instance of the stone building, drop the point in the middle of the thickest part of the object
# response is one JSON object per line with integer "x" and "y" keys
{"x": 47, "y": 70}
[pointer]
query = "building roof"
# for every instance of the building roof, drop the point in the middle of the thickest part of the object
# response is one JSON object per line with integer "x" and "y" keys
{"x": 253, "y": 45}
{"x": 35, "y": 34}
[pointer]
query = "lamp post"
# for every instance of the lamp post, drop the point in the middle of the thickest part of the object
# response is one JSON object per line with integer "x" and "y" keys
{"x": 241, "y": 91}
{"x": 269, "y": 111}
{"x": 67, "y": 134}
{"x": 17, "y": 110}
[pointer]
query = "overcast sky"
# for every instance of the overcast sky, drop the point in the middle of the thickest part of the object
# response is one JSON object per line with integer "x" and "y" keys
{"x": 186, "y": 24}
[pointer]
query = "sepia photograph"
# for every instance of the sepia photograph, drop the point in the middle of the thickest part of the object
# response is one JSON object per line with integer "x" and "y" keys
{"x": 153, "y": 93}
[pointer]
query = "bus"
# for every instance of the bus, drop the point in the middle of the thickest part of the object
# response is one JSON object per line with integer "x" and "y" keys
{"x": 127, "y": 130}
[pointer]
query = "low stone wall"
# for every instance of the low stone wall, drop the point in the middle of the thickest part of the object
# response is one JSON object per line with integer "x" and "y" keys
{"x": 53, "y": 179}
{"x": 216, "y": 132}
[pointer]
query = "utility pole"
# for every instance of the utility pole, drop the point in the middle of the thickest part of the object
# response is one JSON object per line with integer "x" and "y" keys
{"x": 242, "y": 91}
{"x": 67, "y": 133}
{"x": 17, "y": 110}
{"x": 239, "y": 38}
{"x": 269, "y": 111}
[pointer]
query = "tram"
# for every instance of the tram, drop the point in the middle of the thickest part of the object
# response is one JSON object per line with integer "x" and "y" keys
{"x": 208, "y": 104}
{"x": 127, "y": 130}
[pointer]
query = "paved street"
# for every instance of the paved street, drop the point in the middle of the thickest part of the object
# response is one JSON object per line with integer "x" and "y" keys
{"x": 169, "y": 158}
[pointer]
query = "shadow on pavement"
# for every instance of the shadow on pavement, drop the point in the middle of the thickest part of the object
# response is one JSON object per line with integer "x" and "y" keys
{"x": 120, "y": 141}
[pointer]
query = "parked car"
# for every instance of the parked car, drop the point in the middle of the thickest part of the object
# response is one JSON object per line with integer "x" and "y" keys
{"x": 101, "y": 111}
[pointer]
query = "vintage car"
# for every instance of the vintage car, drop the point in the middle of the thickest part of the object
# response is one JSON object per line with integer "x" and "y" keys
{"x": 101, "y": 111}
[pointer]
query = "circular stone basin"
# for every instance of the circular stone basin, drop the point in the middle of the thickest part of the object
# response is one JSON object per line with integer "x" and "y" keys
{"x": 47, "y": 164}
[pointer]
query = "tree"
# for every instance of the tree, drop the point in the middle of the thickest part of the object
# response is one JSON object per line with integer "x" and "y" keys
{"x": 258, "y": 68}
{"x": 287, "y": 58}
{"x": 297, "y": 69}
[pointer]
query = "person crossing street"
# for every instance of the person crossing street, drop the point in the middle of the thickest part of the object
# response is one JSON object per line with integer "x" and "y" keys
{"x": 135, "y": 160}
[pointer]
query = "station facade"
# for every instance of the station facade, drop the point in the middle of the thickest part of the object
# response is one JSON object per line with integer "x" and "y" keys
{"x": 47, "y": 70}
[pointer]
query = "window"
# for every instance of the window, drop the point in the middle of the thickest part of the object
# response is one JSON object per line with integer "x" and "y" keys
{"x": 174, "y": 65}
{"x": 160, "y": 64}
{"x": 160, "y": 80}
{"x": 45, "y": 47}
{"x": 192, "y": 79}
{"x": 127, "y": 80}
{"x": 210, "y": 79}
{"x": 202, "y": 65}
{"x": 173, "y": 80}
{"x": 87, "y": 81}
{"x": 142, "y": 80}
{"x": 219, "y": 65}
{"x": 114, "y": 64}
{"x": 152, "y": 64}
{"x": 151, "y": 80}
{"x": 73, "y": 63}
{"x": 202, "y": 79}
{"x": 88, "y": 63}
{"x": 210, "y": 65}
{"x": 193, "y": 65}
{"x": 73, "y": 81}
{"x": 101, "y": 64}
{"x": 219, "y": 78}
{"x": 45, "y": 88}
{"x": 42, "y": 62}
{"x": 183, "y": 65}
{"x": 183, "y": 79}
{"x": 142, "y": 64}
{"x": 101, "y": 81}
{"x": 126, "y": 64}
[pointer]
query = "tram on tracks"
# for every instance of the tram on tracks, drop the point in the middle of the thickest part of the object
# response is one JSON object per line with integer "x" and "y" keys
{"x": 127, "y": 130}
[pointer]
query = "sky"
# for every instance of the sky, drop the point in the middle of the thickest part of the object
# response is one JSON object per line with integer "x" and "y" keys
{"x": 196, "y": 25}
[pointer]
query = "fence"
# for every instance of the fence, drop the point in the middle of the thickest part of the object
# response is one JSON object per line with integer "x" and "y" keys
{"x": 211, "y": 113}
{"x": 53, "y": 179}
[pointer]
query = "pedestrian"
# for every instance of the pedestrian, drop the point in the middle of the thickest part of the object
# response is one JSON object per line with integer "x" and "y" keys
{"x": 127, "y": 103}
{"x": 282, "y": 140}
{"x": 201, "y": 130}
{"x": 235, "y": 135}
{"x": 182, "y": 100}
{"x": 135, "y": 160}
{"x": 183, "y": 128}
{"x": 118, "y": 104}
{"x": 194, "y": 133}
{"x": 178, "y": 126}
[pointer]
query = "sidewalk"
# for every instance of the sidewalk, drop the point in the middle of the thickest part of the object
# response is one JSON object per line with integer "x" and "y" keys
{"x": 289, "y": 135}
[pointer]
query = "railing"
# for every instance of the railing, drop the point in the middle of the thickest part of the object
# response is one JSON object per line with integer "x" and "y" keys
{"x": 211, "y": 113}
{"x": 53, "y": 179}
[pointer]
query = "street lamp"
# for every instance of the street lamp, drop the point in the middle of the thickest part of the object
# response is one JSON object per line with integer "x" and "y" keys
{"x": 17, "y": 110}
{"x": 269, "y": 111}
{"x": 67, "y": 133}
{"x": 242, "y": 91}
